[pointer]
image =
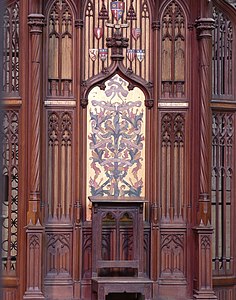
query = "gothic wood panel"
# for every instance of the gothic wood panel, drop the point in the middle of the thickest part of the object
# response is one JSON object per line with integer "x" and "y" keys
{"x": 172, "y": 167}
{"x": 58, "y": 255}
{"x": 60, "y": 44}
{"x": 138, "y": 56}
{"x": 59, "y": 167}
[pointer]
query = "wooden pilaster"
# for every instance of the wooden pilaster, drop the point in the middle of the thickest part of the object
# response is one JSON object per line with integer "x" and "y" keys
{"x": 34, "y": 229}
{"x": 203, "y": 230}
{"x": 35, "y": 22}
{"x": 77, "y": 259}
{"x": 34, "y": 262}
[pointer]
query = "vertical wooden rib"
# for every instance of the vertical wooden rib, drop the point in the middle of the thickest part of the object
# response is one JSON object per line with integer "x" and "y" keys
{"x": 218, "y": 56}
{"x": 62, "y": 162}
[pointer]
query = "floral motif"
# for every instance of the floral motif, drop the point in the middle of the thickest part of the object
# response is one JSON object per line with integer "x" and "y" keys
{"x": 116, "y": 142}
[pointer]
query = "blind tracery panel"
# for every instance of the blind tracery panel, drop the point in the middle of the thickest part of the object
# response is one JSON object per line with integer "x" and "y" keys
{"x": 173, "y": 51}
{"x": 59, "y": 164}
{"x": 222, "y": 62}
{"x": 60, "y": 49}
{"x": 172, "y": 166}
{"x": 10, "y": 190}
{"x": 222, "y": 191}
{"x": 137, "y": 14}
{"x": 11, "y": 49}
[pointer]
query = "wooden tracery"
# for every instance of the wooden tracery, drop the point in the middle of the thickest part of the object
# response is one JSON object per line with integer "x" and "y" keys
{"x": 11, "y": 49}
{"x": 138, "y": 15}
{"x": 60, "y": 50}
{"x": 173, "y": 51}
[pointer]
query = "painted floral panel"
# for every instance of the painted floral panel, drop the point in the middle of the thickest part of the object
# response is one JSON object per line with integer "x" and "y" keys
{"x": 116, "y": 152}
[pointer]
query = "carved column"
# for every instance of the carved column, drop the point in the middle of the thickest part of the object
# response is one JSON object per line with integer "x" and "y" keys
{"x": 155, "y": 208}
{"x": 203, "y": 230}
{"x": 77, "y": 244}
{"x": 34, "y": 229}
{"x": 35, "y": 22}
{"x": 204, "y": 27}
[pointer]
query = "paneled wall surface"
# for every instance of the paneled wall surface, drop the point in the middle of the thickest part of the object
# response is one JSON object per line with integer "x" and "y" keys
{"x": 131, "y": 98}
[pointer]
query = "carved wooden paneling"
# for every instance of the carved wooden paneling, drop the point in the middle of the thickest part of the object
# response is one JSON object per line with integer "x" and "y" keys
{"x": 173, "y": 51}
{"x": 172, "y": 166}
{"x": 34, "y": 262}
{"x": 205, "y": 254}
{"x": 58, "y": 255}
{"x": 9, "y": 294}
{"x": 60, "y": 49}
{"x": 222, "y": 59}
{"x": 10, "y": 190}
{"x": 108, "y": 251}
{"x": 222, "y": 191}
{"x": 137, "y": 14}
{"x": 11, "y": 49}
{"x": 173, "y": 263}
{"x": 59, "y": 167}
{"x": 87, "y": 253}
{"x": 226, "y": 293}
{"x": 146, "y": 267}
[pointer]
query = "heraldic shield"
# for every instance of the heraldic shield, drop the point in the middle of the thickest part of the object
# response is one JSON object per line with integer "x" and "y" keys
{"x": 117, "y": 9}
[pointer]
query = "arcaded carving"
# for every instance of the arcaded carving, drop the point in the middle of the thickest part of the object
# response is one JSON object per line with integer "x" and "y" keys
{"x": 59, "y": 167}
{"x": 59, "y": 254}
{"x": 222, "y": 54}
{"x": 60, "y": 49}
{"x": 172, "y": 255}
{"x": 173, "y": 36}
{"x": 172, "y": 166}
{"x": 223, "y": 178}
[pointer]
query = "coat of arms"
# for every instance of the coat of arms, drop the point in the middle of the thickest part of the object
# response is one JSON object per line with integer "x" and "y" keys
{"x": 93, "y": 54}
{"x": 98, "y": 32}
{"x": 117, "y": 9}
{"x": 103, "y": 52}
{"x": 140, "y": 55}
{"x": 131, "y": 53}
{"x": 136, "y": 32}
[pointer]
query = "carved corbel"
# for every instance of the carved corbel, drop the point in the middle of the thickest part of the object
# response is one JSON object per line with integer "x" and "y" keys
{"x": 84, "y": 102}
{"x": 149, "y": 103}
